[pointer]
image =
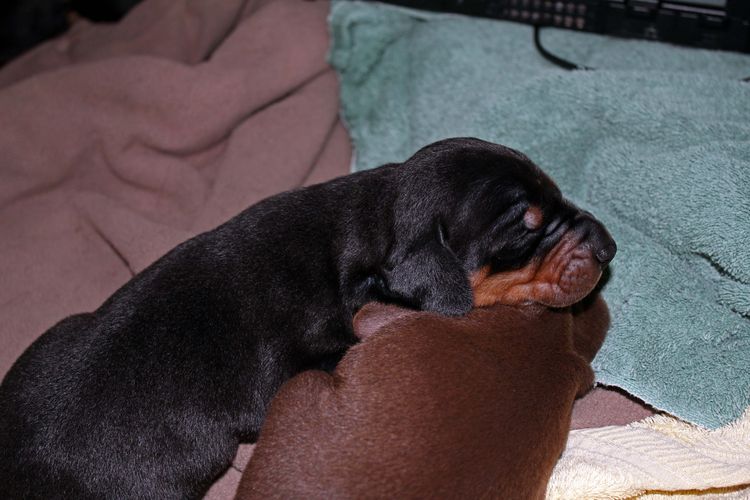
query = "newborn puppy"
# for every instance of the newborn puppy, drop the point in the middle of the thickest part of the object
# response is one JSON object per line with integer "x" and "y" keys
{"x": 149, "y": 395}
{"x": 432, "y": 407}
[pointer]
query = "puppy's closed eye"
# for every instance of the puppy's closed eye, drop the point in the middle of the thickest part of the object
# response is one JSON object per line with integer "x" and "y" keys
{"x": 533, "y": 218}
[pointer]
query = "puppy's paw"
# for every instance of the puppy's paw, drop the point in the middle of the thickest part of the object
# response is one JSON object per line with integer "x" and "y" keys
{"x": 453, "y": 300}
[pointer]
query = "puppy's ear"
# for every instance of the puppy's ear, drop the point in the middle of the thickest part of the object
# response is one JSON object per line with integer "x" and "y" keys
{"x": 430, "y": 277}
{"x": 374, "y": 316}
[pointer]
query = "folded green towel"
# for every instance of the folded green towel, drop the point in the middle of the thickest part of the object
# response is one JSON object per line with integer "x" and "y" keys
{"x": 655, "y": 142}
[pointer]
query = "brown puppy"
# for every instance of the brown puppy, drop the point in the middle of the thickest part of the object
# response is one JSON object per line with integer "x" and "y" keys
{"x": 433, "y": 407}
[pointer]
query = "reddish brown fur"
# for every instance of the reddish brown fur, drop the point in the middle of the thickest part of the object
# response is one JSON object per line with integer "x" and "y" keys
{"x": 432, "y": 407}
{"x": 565, "y": 275}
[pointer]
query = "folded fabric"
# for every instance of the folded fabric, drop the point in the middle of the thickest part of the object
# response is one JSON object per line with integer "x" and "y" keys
{"x": 119, "y": 141}
{"x": 657, "y": 457}
{"x": 656, "y": 142}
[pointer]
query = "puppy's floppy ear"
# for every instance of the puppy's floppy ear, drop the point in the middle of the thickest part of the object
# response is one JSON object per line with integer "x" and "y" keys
{"x": 430, "y": 277}
{"x": 374, "y": 316}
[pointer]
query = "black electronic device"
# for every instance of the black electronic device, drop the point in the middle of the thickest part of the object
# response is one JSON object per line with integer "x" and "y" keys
{"x": 715, "y": 24}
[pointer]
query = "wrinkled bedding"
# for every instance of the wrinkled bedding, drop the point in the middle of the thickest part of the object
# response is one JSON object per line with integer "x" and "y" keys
{"x": 118, "y": 143}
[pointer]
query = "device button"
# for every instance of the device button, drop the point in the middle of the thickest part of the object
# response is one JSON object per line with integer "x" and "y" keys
{"x": 642, "y": 10}
{"x": 715, "y": 22}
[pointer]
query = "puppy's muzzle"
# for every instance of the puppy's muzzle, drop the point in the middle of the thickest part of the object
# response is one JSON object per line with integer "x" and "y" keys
{"x": 564, "y": 275}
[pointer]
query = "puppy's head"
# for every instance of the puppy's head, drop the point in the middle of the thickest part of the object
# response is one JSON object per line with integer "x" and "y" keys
{"x": 478, "y": 223}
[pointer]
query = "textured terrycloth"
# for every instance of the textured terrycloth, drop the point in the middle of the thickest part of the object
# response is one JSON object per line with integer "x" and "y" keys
{"x": 656, "y": 143}
{"x": 658, "y": 456}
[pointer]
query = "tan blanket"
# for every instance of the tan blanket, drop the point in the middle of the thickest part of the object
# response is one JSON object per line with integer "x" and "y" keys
{"x": 117, "y": 143}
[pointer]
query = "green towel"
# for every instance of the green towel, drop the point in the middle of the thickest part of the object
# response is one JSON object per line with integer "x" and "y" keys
{"x": 655, "y": 142}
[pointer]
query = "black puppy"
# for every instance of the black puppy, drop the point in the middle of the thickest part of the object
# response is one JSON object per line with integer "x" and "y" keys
{"x": 149, "y": 395}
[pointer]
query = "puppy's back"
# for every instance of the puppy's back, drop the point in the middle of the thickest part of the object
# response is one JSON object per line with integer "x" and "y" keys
{"x": 444, "y": 407}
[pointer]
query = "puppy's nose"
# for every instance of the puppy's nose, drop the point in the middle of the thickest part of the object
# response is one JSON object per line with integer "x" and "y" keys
{"x": 606, "y": 253}
{"x": 603, "y": 246}
{"x": 598, "y": 239}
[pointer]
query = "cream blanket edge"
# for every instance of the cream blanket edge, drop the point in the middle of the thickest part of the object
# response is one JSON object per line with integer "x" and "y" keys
{"x": 658, "y": 457}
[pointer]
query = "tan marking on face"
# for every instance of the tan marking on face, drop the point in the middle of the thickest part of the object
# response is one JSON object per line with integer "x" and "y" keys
{"x": 533, "y": 218}
{"x": 562, "y": 277}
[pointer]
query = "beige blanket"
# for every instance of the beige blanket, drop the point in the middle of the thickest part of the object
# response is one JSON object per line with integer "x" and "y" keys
{"x": 660, "y": 457}
{"x": 117, "y": 143}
